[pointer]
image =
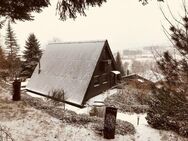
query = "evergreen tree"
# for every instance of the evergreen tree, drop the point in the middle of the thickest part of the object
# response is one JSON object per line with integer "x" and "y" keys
{"x": 169, "y": 104}
{"x": 22, "y": 9}
{"x": 2, "y": 59}
{"x": 119, "y": 64}
{"x": 144, "y": 2}
{"x": 13, "y": 49}
{"x": 3, "y": 65}
{"x": 168, "y": 110}
{"x": 31, "y": 55}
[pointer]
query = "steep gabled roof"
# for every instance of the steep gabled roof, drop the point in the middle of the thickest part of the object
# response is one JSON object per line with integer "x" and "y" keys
{"x": 68, "y": 66}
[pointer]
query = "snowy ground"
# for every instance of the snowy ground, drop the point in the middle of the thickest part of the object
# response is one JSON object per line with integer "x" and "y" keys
{"x": 26, "y": 123}
{"x": 145, "y": 133}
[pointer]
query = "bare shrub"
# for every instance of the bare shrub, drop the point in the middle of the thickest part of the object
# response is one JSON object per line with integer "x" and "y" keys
{"x": 57, "y": 97}
{"x": 4, "y": 134}
{"x": 3, "y": 75}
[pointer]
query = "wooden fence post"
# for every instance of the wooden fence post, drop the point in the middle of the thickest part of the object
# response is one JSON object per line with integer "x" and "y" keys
{"x": 16, "y": 90}
{"x": 110, "y": 122}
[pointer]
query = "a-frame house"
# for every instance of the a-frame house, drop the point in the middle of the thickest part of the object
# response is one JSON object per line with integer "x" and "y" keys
{"x": 82, "y": 69}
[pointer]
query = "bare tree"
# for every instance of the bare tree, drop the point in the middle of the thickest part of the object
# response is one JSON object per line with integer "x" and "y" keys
{"x": 5, "y": 134}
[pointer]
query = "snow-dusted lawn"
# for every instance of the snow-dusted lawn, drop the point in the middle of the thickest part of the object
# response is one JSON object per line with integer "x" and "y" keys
{"x": 38, "y": 126}
{"x": 28, "y": 124}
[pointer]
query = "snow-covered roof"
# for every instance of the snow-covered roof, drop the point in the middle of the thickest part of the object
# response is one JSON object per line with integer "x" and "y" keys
{"x": 152, "y": 76}
{"x": 68, "y": 66}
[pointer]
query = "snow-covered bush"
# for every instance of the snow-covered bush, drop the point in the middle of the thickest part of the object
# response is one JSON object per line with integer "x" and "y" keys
{"x": 122, "y": 127}
{"x": 127, "y": 100}
{"x": 168, "y": 110}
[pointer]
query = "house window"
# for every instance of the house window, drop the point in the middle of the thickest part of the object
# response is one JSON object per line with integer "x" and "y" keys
{"x": 96, "y": 81}
{"x": 105, "y": 64}
{"x": 104, "y": 78}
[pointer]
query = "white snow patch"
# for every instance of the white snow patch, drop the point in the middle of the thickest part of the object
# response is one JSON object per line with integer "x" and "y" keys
{"x": 140, "y": 80}
{"x": 24, "y": 84}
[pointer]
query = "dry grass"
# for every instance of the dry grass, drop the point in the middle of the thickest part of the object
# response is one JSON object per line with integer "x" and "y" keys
{"x": 9, "y": 109}
{"x": 12, "y": 110}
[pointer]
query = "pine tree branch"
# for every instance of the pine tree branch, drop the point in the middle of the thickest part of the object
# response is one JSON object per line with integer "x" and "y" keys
{"x": 173, "y": 15}
{"x": 165, "y": 16}
{"x": 167, "y": 35}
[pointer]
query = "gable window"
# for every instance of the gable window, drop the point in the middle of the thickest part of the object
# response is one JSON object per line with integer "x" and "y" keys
{"x": 104, "y": 78}
{"x": 105, "y": 64}
{"x": 96, "y": 81}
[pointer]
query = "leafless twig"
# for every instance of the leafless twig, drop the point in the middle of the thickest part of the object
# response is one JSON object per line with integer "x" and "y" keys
{"x": 4, "y": 134}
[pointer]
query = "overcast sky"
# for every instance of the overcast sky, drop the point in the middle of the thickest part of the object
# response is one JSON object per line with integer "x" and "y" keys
{"x": 125, "y": 23}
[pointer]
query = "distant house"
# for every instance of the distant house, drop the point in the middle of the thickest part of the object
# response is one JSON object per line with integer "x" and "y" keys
{"x": 135, "y": 77}
{"x": 152, "y": 76}
{"x": 138, "y": 81}
{"x": 82, "y": 69}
